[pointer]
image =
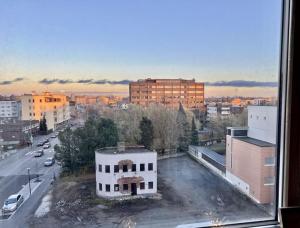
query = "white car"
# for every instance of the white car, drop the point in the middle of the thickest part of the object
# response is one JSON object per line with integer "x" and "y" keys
{"x": 46, "y": 146}
{"x": 12, "y": 203}
{"x": 49, "y": 162}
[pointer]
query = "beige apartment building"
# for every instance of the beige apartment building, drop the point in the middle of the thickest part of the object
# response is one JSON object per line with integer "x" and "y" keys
{"x": 55, "y": 108}
{"x": 169, "y": 92}
{"x": 251, "y": 154}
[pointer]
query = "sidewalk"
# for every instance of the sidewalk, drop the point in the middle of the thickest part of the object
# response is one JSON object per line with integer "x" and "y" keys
{"x": 7, "y": 154}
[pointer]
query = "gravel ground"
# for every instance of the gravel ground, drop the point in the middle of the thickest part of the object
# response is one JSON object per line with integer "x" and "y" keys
{"x": 190, "y": 194}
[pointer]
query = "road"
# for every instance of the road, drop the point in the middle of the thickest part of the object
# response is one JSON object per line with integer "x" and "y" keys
{"x": 13, "y": 176}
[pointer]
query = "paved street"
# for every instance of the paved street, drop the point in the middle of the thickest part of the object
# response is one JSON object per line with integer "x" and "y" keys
{"x": 13, "y": 177}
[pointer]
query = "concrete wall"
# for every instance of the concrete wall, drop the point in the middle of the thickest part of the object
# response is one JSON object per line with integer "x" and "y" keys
{"x": 115, "y": 178}
{"x": 248, "y": 165}
{"x": 262, "y": 123}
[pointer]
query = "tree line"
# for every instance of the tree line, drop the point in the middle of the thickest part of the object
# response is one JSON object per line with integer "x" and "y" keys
{"x": 156, "y": 127}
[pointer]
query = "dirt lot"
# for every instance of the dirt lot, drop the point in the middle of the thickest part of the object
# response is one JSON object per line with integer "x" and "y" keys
{"x": 190, "y": 194}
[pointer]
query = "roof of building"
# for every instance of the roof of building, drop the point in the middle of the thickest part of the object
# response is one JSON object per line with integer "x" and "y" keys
{"x": 256, "y": 142}
{"x": 127, "y": 150}
{"x": 211, "y": 154}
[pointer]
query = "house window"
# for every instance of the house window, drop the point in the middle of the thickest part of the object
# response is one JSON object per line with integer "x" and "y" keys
{"x": 100, "y": 168}
{"x": 125, "y": 187}
{"x": 107, "y": 169}
{"x": 100, "y": 186}
{"x": 150, "y": 166}
{"x": 142, "y": 167}
{"x": 269, "y": 161}
{"x": 116, "y": 187}
{"x": 125, "y": 169}
{"x": 107, "y": 188}
{"x": 150, "y": 185}
{"x": 133, "y": 168}
{"x": 116, "y": 168}
{"x": 142, "y": 185}
{"x": 269, "y": 180}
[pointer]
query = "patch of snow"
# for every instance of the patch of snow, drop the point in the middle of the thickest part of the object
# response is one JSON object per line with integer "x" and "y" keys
{"x": 44, "y": 207}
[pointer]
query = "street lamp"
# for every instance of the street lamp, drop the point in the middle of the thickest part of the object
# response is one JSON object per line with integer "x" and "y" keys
{"x": 28, "y": 171}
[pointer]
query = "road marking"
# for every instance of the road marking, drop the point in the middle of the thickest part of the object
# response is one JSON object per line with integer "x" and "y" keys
{"x": 29, "y": 153}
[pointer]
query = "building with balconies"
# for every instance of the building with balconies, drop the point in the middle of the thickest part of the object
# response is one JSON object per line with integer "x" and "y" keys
{"x": 55, "y": 108}
{"x": 125, "y": 171}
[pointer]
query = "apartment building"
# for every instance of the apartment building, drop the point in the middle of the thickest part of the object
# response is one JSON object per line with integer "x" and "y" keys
{"x": 55, "y": 108}
{"x": 250, "y": 154}
{"x": 9, "y": 109}
{"x": 17, "y": 133}
{"x": 169, "y": 92}
{"x": 125, "y": 171}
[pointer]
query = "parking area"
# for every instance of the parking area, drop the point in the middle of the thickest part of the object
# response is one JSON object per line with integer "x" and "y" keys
{"x": 190, "y": 194}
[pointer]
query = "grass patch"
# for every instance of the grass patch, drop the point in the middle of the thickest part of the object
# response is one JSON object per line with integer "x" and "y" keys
{"x": 220, "y": 148}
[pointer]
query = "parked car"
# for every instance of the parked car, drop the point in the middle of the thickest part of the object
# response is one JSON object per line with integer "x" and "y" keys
{"x": 47, "y": 145}
{"x": 39, "y": 153}
{"x": 53, "y": 136}
{"x": 49, "y": 162}
{"x": 46, "y": 141}
{"x": 40, "y": 144}
{"x": 12, "y": 203}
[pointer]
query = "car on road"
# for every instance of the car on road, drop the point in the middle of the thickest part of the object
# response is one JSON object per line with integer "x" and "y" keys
{"x": 47, "y": 145}
{"x": 40, "y": 144}
{"x": 39, "y": 153}
{"x": 49, "y": 162}
{"x": 53, "y": 136}
{"x": 12, "y": 203}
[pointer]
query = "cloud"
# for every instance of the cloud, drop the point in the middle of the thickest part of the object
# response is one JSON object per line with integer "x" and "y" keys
{"x": 242, "y": 83}
{"x": 67, "y": 81}
{"x": 9, "y": 82}
{"x": 104, "y": 81}
{"x": 84, "y": 81}
{"x": 46, "y": 81}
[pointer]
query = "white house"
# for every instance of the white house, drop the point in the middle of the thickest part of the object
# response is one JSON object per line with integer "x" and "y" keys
{"x": 125, "y": 171}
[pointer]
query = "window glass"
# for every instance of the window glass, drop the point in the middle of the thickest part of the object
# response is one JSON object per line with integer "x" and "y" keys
{"x": 142, "y": 167}
{"x": 175, "y": 104}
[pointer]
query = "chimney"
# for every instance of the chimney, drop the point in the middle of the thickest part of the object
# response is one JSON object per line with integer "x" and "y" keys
{"x": 121, "y": 146}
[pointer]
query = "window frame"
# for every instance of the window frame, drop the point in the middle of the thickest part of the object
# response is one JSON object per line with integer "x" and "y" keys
{"x": 287, "y": 179}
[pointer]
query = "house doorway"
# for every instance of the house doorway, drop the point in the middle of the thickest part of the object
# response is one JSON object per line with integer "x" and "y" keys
{"x": 133, "y": 189}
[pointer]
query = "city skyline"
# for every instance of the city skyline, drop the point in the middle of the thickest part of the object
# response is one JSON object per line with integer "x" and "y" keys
{"x": 100, "y": 41}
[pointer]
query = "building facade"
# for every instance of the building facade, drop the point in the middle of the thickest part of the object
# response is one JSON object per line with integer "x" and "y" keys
{"x": 55, "y": 108}
{"x": 169, "y": 92}
{"x": 10, "y": 109}
{"x": 17, "y": 133}
{"x": 251, "y": 154}
{"x": 126, "y": 171}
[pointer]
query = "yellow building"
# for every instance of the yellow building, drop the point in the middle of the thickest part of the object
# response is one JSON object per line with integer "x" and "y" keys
{"x": 55, "y": 108}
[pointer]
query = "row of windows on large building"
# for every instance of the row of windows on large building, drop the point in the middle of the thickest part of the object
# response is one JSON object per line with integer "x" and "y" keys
{"x": 125, "y": 186}
{"x": 125, "y": 168}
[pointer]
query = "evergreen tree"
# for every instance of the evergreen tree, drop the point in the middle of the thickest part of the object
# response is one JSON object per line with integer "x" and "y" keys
{"x": 77, "y": 148}
{"x": 147, "y": 133}
{"x": 194, "y": 134}
{"x": 43, "y": 125}
{"x": 184, "y": 130}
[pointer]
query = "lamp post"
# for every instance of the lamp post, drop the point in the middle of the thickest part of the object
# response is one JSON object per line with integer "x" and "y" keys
{"x": 28, "y": 171}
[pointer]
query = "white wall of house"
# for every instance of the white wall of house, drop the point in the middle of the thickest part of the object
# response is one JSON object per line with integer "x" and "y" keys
{"x": 262, "y": 123}
{"x": 112, "y": 178}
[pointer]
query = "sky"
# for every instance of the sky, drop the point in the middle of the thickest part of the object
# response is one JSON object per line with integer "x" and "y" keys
{"x": 97, "y": 45}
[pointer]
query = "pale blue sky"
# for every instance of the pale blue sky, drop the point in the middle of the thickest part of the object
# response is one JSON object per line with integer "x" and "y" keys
{"x": 210, "y": 40}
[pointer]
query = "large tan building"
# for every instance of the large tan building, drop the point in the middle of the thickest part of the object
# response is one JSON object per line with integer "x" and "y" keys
{"x": 55, "y": 108}
{"x": 169, "y": 92}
